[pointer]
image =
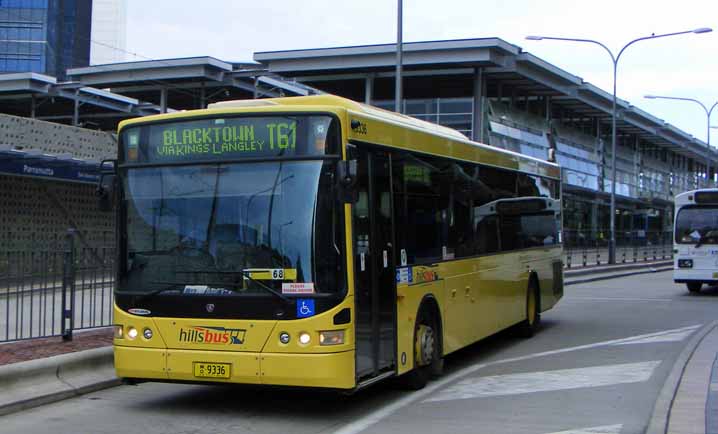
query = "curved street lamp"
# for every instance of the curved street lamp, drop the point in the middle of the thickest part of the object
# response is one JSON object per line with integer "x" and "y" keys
{"x": 708, "y": 124}
{"x": 615, "y": 59}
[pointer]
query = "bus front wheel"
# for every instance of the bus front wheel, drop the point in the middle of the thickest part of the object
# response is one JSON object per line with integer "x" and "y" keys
{"x": 694, "y": 286}
{"x": 427, "y": 352}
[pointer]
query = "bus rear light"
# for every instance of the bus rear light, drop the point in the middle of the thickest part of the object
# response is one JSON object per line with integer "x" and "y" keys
{"x": 118, "y": 331}
{"x": 685, "y": 263}
{"x": 333, "y": 337}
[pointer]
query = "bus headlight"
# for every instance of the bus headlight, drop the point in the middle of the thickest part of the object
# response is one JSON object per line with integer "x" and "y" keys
{"x": 147, "y": 333}
{"x": 132, "y": 333}
{"x": 685, "y": 263}
{"x": 118, "y": 331}
{"x": 284, "y": 338}
{"x": 304, "y": 338}
{"x": 332, "y": 337}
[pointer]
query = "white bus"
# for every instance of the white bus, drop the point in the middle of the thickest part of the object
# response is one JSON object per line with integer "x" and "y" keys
{"x": 696, "y": 238}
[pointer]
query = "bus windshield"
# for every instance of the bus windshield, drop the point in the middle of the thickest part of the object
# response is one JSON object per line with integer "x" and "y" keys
{"x": 224, "y": 228}
{"x": 697, "y": 225}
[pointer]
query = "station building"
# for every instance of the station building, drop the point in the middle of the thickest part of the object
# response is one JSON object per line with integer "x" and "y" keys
{"x": 490, "y": 90}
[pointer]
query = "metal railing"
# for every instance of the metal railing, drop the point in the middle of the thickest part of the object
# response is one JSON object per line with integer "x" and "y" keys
{"x": 54, "y": 289}
{"x": 586, "y": 248}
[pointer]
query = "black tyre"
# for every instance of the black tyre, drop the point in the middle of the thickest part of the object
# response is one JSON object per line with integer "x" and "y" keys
{"x": 694, "y": 286}
{"x": 428, "y": 361}
{"x": 530, "y": 325}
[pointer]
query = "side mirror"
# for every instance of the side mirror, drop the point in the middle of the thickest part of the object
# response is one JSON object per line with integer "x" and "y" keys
{"x": 347, "y": 180}
{"x": 106, "y": 186}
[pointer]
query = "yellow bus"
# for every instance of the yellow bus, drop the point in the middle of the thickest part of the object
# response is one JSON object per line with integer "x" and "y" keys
{"x": 318, "y": 242}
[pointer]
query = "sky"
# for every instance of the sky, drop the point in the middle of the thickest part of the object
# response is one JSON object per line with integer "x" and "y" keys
{"x": 679, "y": 66}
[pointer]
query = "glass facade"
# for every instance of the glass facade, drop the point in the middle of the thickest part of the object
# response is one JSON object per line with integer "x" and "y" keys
{"x": 44, "y": 36}
{"x": 456, "y": 113}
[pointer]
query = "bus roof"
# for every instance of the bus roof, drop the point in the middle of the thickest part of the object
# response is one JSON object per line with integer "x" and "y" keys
{"x": 470, "y": 150}
{"x": 688, "y": 197}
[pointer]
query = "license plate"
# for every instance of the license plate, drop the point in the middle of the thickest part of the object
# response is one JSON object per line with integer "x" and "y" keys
{"x": 211, "y": 370}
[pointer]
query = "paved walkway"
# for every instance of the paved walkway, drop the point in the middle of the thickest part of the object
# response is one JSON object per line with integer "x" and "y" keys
{"x": 31, "y": 349}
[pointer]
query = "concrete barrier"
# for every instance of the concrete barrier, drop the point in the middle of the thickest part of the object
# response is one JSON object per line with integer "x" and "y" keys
{"x": 29, "y": 384}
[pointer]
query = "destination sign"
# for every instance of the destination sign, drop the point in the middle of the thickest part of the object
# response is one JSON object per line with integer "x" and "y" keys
{"x": 227, "y": 138}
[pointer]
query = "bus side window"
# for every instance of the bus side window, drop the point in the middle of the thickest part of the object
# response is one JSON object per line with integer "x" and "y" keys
{"x": 487, "y": 235}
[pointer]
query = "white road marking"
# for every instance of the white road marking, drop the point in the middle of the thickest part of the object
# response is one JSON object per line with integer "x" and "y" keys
{"x": 618, "y": 299}
{"x": 667, "y": 336}
{"x": 605, "y": 429}
{"x": 547, "y": 381}
{"x": 370, "y": 419}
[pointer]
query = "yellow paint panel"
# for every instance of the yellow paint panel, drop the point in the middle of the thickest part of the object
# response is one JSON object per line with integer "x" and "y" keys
{"x": 131, "y": 362}
{"x": 309, "y": 370}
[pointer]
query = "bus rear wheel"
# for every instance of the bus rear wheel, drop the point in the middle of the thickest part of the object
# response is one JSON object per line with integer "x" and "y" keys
{"x": 533, "y": 312}
{"x": 428, "y": 362}
{"x": 694, "y": 286}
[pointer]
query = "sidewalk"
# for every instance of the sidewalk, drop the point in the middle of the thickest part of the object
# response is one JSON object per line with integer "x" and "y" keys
{"x": 41, "y": 371}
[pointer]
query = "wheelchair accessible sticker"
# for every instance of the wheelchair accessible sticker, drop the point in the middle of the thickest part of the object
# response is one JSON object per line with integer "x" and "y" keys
{"x": 305, "y": 307}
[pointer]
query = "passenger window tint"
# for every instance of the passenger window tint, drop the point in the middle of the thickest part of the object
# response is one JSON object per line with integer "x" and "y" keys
{"x": 421, "y": 208}
{"x": 446, "y": 209}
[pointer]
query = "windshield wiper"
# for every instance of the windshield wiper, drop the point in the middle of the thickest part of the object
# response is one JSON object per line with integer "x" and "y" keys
{"x": 247, "y": 274}
{"x": 144, "y": 296}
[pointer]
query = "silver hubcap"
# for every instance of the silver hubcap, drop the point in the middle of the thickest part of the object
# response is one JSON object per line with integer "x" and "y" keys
{"x": 427, "y": 345}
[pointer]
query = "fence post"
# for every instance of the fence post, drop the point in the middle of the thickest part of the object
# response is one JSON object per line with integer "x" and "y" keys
{"x": 68, "y": 286}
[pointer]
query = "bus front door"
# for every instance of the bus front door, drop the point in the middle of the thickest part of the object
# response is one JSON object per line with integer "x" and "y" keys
{"x": 375, "y": 289}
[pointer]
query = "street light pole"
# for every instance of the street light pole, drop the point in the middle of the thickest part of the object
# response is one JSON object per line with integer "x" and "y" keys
{"x": 399, "y": 57}
{"x": 615, "y": 59}
{"x": 708, "y": 124}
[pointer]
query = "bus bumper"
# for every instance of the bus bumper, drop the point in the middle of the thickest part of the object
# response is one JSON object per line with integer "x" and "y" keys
{"x": 330, "y": 370}
{"x": 693, "y": 275}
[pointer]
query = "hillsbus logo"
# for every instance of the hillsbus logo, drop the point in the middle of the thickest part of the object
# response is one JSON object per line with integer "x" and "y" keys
{"x": 212, "y": 335}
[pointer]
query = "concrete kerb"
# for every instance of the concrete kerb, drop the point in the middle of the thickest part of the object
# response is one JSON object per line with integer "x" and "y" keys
{"x": 42, "y": 381}
{"x": 658, "y": 424}
{"x": 615, "y": 272}
{"x": 570, "y": 272}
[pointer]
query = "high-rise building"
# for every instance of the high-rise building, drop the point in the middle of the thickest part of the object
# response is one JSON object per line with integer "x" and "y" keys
{"x": 46, "y": 36}
{"x": 109, "y": 34}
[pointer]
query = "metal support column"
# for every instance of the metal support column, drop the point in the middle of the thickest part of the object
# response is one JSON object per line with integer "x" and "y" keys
{"x": 477, "y": 129}
{"x": 76, "y": 111}
{"x": 368, "y": 89}
{"x": 67, "y": 323}
{"x": 163, "y": 100}
{"x": 399, "y": 59}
